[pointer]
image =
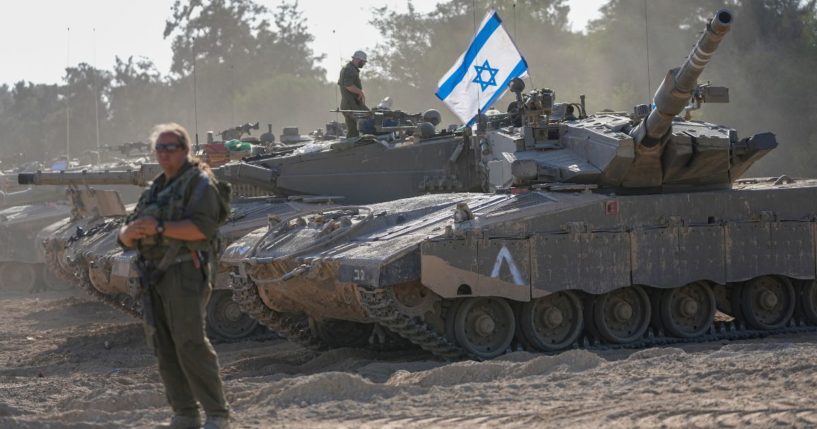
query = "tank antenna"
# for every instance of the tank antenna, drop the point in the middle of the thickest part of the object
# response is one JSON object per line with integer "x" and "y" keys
{"x": 647, "y": 49}
{"x": 67, "y": 99}
{"x": 479, "y": 102}
{"x": 96, "y": 97}
{"x": 195, "y": 96}
{"x": 340, "y": 59}
{"x": 514, "y": 20}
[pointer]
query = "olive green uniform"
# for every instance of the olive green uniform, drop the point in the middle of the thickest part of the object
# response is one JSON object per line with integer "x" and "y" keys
{"x": 350, "y": 75}
{"x": 188, "y": 363}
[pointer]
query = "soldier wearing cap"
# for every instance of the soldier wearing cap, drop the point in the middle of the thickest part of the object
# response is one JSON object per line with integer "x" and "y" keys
{"x": 351, "y": 91}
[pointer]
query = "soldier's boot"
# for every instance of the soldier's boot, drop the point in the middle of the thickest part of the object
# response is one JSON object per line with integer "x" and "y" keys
{"x": 185, "y": 422}
{"x": 216, "y": 422}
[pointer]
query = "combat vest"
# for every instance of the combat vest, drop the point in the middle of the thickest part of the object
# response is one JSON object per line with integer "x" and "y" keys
{"x": 171, "y": 203}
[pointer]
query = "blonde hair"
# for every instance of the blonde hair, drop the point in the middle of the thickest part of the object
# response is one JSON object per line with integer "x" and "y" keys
{"x": 182, "y": 136}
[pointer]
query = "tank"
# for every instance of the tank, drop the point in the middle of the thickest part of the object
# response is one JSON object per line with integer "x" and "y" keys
{"x": 83, "y": 251}
{"x": 403, "y": 156}
{"x": 400, "y": 155}
{"x": 23, "y": 212}
{"x": 22, "y": 262}
{"x": 608, "y": 230}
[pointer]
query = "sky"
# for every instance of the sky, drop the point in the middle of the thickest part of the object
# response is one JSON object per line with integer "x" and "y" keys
{"x": 37, "y": 46}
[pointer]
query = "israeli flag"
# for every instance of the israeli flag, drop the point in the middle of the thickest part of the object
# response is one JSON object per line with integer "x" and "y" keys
{"x": 481, "y": 74}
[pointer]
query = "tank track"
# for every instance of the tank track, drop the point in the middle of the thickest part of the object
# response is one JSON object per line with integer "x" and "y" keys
{"x": 127, "y": 305}
{"x": 133, "y": 307}
{"x": 292, "y": 328}
{"x": 81, "y": 280}
{"x": 56, "y": 269}
{"x": 382, "y": 308}
{"x": 719, "y": 331}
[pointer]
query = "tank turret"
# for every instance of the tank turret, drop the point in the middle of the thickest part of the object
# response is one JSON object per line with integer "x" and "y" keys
{"x": 678, "y": 85}
{"x": 646, "y": 151}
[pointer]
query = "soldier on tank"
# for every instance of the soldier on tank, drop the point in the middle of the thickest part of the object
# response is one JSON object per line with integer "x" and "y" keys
{"x": 173, "y": 228}
{"x": 352, "y": 96}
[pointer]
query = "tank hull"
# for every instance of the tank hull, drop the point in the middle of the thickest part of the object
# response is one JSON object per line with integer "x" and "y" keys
{"x": 86, "y": 252}
{"x": 22, "y": 258}
{"x": 747, "y": 251}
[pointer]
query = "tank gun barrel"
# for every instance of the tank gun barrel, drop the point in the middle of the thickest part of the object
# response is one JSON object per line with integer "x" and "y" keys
{"x": 247, "y": 173}
{"x": 140, "y": 177}
{"x": 237, "y": 173}
{"x": 677, "y": 87}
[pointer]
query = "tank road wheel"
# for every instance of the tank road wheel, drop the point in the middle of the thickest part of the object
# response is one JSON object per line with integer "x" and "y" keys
{"x": 484, "y": 326}
{"x": 51, "y": 281}
{"x": 18, "y": 277}
{"x": 767, "y": 302}
{"x": 553, "y": 322}
{"x": 687, "y": 311}
{"x": 225, "y": 318}
{"x": 808, "y": 301}
{"x": 342, "y": 333}
{"x": 622, "y": 315}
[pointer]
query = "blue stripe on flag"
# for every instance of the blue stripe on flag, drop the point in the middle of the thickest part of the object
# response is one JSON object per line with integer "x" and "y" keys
{"x": 520, "y": 68}
{"x": 484, "y": 34}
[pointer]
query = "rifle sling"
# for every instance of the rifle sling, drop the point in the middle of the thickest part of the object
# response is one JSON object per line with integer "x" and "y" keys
{"x": 198, "y": 193}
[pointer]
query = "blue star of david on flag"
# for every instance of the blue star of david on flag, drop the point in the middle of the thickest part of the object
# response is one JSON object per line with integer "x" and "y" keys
{"x": 485, "y": 67}
{"x": 482, "y": 73}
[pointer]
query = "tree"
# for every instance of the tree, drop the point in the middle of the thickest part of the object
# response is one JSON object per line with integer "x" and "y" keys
{"x": 231, "y": 46}
{"x": 86, "y": 92}
{"x": 214, "y": 32}
{"x": 33, "y": 121}
{"x": 139, "y": 99}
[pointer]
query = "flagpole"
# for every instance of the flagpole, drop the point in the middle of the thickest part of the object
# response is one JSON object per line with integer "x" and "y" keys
{"x": 479, "y": 102}
{"x": 195, "y": 95}
{"x": 338, "y": 90}
{"x": 483, "y": 70}
{"x": 647, "y": 50}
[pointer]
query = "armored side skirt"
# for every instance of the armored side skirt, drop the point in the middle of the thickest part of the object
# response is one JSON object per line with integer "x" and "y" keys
{"x": 662, "y": 241}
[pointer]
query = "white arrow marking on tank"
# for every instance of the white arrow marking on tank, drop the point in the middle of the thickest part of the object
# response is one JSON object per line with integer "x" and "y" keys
{"x": 505, "y": 255}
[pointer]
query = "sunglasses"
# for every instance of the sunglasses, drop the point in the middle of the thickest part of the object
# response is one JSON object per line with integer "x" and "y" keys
{"x": 168, "y": 147}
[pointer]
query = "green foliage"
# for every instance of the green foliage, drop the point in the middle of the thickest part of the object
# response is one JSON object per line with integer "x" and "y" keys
{"x": 139, "y": 98}
{"x": 222, "y": 49}
{"x": 234, "y": 37}
{"x": 288, "y": 100}
{"x": 31, "y": 119}
{"x": 214, "y": 32}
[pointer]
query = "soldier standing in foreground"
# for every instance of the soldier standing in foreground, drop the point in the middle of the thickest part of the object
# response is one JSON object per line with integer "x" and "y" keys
{"x": 351, "y": 91}
{"x": 173, "y": 228}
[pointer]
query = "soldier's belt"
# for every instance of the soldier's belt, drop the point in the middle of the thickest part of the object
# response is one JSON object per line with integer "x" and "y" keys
{"x": 186, "y": 256}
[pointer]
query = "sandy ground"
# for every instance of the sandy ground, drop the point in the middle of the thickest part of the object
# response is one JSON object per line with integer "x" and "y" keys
{"x": 67, "y": 362}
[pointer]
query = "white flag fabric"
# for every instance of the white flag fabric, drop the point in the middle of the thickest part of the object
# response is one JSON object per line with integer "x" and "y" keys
{"x": 481, "y": 74}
